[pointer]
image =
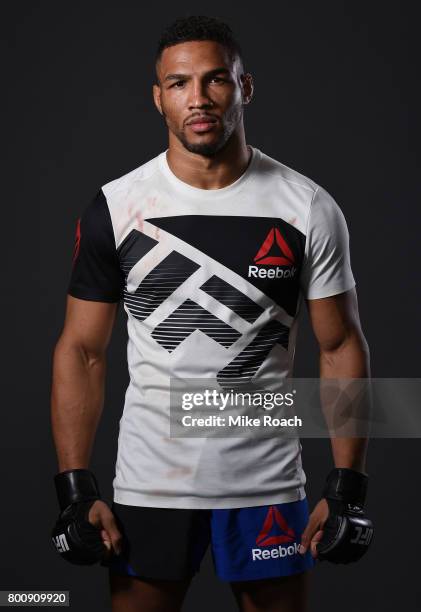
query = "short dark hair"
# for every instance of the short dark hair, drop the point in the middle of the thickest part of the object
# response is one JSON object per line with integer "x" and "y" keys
{"x": 199, "y": 27}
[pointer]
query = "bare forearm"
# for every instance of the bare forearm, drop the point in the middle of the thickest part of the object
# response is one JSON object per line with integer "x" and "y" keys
{"x": 76, "y": 403}
{"x": 349, "y": 360}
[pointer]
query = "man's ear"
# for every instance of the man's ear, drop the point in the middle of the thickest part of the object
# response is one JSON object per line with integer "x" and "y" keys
{"x": 156, "y": 92}
{"x": 247, "y": 87}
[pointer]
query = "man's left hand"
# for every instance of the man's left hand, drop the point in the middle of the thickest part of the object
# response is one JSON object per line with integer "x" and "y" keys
{"x": 313, "y": 533}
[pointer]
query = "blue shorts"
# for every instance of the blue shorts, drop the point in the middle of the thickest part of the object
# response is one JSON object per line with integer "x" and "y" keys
{"x": 249, "y": 543}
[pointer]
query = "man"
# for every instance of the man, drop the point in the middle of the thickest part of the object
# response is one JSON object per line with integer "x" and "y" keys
{"x": 212, "y": 246}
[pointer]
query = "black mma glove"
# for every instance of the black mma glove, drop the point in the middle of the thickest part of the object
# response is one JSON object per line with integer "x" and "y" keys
{"x": 347, "y": 532}
{"x": 75, "y": 538}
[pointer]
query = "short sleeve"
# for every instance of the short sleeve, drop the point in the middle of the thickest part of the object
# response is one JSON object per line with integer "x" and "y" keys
{"x": 96, "y": 274}
{"x": 326, "y": 267}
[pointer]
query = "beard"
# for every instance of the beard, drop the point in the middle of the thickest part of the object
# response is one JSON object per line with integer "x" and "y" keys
{"x": 208, "y": 149}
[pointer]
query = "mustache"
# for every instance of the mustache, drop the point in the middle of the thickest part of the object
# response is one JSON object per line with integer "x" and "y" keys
{"x": 197, "y": 117}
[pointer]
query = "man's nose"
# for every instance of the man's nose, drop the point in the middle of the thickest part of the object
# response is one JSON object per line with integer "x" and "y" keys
{"x": 199, "y": 95}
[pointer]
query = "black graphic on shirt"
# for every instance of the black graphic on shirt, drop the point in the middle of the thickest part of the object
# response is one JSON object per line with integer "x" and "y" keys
{"x": 190, "y": 317}
{"x": 235, "y": 241}
{"x": 186, "y": 319}
{"x": 228, "y": 295}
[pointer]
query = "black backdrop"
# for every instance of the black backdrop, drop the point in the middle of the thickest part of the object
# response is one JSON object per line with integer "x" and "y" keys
{"x": 334, "y": 99}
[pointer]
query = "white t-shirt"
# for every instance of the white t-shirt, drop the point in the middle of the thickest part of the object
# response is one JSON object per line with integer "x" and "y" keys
{"x": 212, "y": 282}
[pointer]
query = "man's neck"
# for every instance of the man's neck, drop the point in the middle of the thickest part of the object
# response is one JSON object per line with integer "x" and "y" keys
{"x": 214, "y": 172}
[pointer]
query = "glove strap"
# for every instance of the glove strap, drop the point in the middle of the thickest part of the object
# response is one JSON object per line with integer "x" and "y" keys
{"x": 347, "y": 486}
{"x": 74, "y": 486}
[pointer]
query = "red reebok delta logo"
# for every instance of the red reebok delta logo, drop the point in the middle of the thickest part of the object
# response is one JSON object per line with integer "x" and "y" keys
{"x": 286, "y": 257}
{"x": 275, "y": 545}
{"x": 275, "y": 517}
{"x": 283, "y": 256}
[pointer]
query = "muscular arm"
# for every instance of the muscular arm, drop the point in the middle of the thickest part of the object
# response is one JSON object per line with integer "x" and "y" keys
{"x": 79, "y": 364}
{"x": 344, "y": 353}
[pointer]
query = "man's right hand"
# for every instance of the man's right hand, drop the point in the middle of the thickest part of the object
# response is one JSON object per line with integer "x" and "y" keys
{"x": 85, "y": 532}
{"x": 103, "y": 519}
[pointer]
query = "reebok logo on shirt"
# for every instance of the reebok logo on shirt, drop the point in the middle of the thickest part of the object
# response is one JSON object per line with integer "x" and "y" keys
{"x": 273, "y": 252}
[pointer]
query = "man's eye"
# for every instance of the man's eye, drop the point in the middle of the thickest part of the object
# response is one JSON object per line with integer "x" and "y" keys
{"x": 218, "y": 80}
{"x": 178, "y": 83}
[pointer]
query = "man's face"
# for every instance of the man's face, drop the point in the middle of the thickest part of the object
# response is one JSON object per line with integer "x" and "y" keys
{"x": 201, "y": 93}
